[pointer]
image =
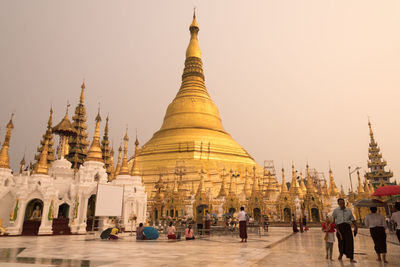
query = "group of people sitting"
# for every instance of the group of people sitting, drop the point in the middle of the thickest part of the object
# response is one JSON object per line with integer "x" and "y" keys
{"x": 189, "y": 234}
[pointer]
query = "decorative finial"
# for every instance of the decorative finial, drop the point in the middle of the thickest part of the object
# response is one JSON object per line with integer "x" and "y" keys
{"x": 194, "y": 12}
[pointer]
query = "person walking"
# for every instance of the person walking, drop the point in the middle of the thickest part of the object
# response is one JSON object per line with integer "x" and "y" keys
{"x": 242, "y": 218}
{"x": 207, "y": 222}
{"x": 343, "y": 218}
{"x": 199, "y": 222}
{"x": 328, "y": 227}
{"x": 396, "y": 219}
{"x": 294, "y": 224}
{"x": 376, "y": 224}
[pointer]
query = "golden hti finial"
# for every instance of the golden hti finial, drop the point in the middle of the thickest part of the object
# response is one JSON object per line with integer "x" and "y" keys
{"x": 82, "y": 97}
{"x": 360, "y": 186}
{"x": 135, "y": 168}
{"x": 95, "y": 153}
{"x": 201, "y": 189}
{"x": 284, "y": 186}
{"x": 124, "y": 166}
{"x": 22, "y": 164}
{"x": 193, "y": 49}
{"x": 222, "y": 191}
{"x": 41, "y": 167}
{"x": 302, "y": 184}
{"x": 333, "y": 191}
{"x": 118, "y": 168}
{"x": 4, "y": 157}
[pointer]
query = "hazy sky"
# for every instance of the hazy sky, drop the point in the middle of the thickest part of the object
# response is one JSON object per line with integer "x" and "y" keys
{"x": 293, "y": 80}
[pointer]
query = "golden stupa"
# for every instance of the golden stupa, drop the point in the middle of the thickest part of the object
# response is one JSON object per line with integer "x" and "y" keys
{"x": 192, "y": 130}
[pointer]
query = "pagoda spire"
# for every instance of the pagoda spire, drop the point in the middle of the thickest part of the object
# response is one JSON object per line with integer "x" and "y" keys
{"x": 333, "y": 191}
{"x": 124, "y": 166}
{"x": 246, "y": 187}
{"x": 342, "y": 193}
{"x": 111, "y": 176}
{"x": 256, "y": 187}
{"x": 118, "y": 168}
{"x": 376, "y": 164}
{"x": 4, "y": 157}
{"x": 48, "y": 135}
{"x": 222, "y": 190}
{"x": 95, "y": 153}
{"x": 22, "y": 164}
{"x": 310, "y": 183}
{"x": 360, "y": 185}
{"x": 79, "y": 143}
{"x": 135, "y": 168}
{"x": 201, "y": 189}
{"x": 302, "y": 184}
{"x": 294, "y": 185}
{"x": 42, "y": 166}
{"x": 106, "y": 150}
{"x": 284, "y": 186}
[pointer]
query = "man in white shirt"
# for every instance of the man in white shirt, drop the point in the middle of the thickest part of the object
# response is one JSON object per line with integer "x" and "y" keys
{"x": 343, "y": 218}
{"x": 376, "y": 224}
{"x": 396, "y": 219}
{"x": 242, "y": 218}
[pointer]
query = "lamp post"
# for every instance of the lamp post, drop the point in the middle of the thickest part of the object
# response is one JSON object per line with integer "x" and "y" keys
{"x": 350, "y": 172}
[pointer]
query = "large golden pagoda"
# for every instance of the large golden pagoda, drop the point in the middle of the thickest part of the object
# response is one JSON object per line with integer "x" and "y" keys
{"x": 192, "y": 130}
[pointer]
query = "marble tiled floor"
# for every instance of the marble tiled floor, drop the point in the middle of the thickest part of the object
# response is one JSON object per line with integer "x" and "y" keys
{"x": 278, "y": 248}
{"x": 308, "y": 249}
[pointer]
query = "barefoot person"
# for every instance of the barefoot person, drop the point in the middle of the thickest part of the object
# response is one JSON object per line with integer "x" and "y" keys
{"x": 328, "y": 227}
{"x": 376, "y": 224}
{"x": 396, "y": 219}
{"x": 343, "y": 218}
{"x": 242, "y": 218}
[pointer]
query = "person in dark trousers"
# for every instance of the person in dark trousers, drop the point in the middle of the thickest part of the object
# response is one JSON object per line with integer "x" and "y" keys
{"x": 242, "y": 218}
{"x": 199, "y": 222}
{"x": 343, "y": 218}
{"x": 376, "y": 224}
{"x": 396, "y": 219}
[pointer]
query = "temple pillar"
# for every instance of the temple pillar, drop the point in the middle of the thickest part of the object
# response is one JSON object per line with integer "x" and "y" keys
{"x": 15, "y": 228}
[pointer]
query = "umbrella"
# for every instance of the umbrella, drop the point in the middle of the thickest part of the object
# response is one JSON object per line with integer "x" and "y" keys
{"x": 387, "y": 190}
{"x": 106, "y": 233}
{"x": 369, "y": 203}
{"x": 227, "y": 215}
{"x": 151, "y": 232}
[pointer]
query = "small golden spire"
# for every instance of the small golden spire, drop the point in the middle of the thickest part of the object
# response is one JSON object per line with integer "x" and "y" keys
{"x": 135, "y": 168}
{"x": 95, "y": 153}
{"x": 22, "y": 165}
{"x": 360, "y": 187}
{"x": 222, "y": 190}
{"x": 82, "y": 97}
{"x": 342, "y": 193}
{"x": 246, "y": 187}
{"x": 302, "y": 184}
{"x": 124, "y": 167}
{"x": 118, "y": 168}
{"x": 333, "y": 191}
{"x": 193, "y": 49}
{"x": 4, "y": 157}
{"x": 41, "y": 167}
{"x": 284, "y": 186}
{"x": 201, "y": 189}
{"x": 371, "y": 133}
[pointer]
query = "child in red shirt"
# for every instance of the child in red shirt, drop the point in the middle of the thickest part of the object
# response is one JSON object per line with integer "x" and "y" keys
{"x": 328, "y": 227}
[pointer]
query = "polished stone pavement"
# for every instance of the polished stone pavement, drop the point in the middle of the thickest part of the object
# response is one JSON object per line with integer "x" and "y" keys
{"x": 278, "y": 247}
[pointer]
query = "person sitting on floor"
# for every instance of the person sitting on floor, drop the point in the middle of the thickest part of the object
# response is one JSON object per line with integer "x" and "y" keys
{"x": 114, "y": 233}
{"x": 139, "y": 232}
{"x": 171, "y": 231}
{"x": 189, "y": 233}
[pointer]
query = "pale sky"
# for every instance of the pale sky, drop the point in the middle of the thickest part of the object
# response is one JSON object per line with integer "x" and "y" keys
{"x": 293, "y": 80}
